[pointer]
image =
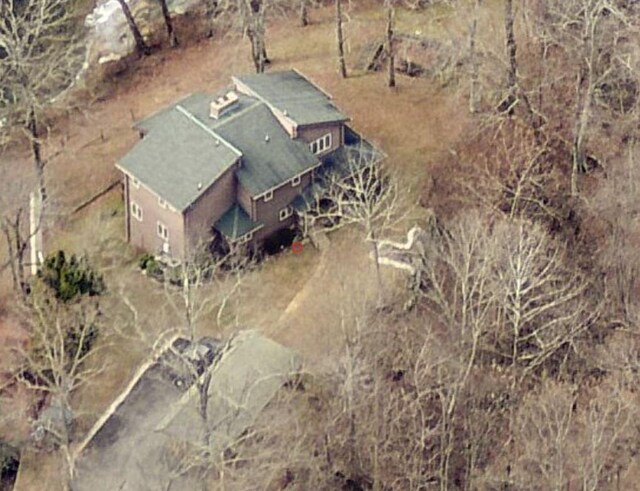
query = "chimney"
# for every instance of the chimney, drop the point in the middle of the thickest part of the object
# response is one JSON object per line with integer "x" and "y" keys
{"x": 222, "y": 103}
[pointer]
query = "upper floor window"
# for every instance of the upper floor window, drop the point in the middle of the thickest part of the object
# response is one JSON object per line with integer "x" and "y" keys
{"x": 135, "y": 182}
{"x": 163, "y": 231}
{"x": 321, "y": 144}
{"x": 286, "y": 213}
{"x": 162, "y": 203}
{"x": 268, "y": 196}
{"x": 136, "y": 211}
{"x": 245, "y": 238}
{"x": 295, "y": 181}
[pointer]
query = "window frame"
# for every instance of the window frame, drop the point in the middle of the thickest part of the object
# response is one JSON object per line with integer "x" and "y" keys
{"x": 288, "y": 211}
{"x": 295, "y": 181}
{"x": 138, "y": 215}
{"x": 162, "y": 203}
{"x": 268, "y": 196}
{"x": 322, "y": 144}
{"x": 135, "y": 182}
{"x": 162, "y": 227}
{"x": 246, "y": 238}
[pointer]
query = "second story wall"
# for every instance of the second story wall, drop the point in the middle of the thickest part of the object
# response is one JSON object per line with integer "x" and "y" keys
{"x": 310, "y": 134}
{"x": 143, "y": 225}
{"x": 268, "y": 212}
{"x": 209, "y": 207}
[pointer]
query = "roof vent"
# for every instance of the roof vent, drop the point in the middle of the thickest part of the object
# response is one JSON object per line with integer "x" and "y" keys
{"x": 221, "y": 103}
{"x": 199, "y": 186}
{"x": 266, "y": 138}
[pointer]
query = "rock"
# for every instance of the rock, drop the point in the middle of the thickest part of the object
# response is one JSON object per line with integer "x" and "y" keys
{"x": 109, "y": 37}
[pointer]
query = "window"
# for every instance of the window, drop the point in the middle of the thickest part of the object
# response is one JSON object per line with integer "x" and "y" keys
{"x": 295, "y": 181}
{"x": 136, "y": 211}
{"x": 163, "y": 231}
{"x": 268, "y": 196}
{"x": 321, "y": 144}
{"x": 162, "y": 203}
{"x": 286, "y": 213}
{"x": 245, "y": 238}
{"x": 135, "y": 182}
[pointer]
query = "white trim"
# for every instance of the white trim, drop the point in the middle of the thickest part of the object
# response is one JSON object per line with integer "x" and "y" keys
{"x": 162, "y": 231}
{"x": 268, "y": 196}
{"x": 310, "y": 169}
{"x": 245, "y": 238}
{"x": 136, "y": 211}
{"x": 321, "y": 145}
{"x": 295, "y": 181}
{"x": 285, "y": 213}
{"x": 162, "y": 203}
{"x": 202, "y": 126}
{"x": 135, "y": 182}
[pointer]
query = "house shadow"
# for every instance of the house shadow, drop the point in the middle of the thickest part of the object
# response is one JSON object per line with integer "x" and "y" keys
{"x": 278, "y": 241}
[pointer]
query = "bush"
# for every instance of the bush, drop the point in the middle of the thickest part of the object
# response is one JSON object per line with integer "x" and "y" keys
{"x": 71, "y": 277}
{"x": 148, "y": 264}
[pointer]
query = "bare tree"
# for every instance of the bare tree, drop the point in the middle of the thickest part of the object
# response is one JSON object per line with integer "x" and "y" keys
{"x": 168, "y": 22}
{"x": 304, "y": 13}
{"x": 142, "y": 48}
{"x": 44, "y": 52}
{"x": 363, "y": 192}
{"x": 57, "y": 361}
{"x": 391, "y": 55}
{"x": 342, "y": 64}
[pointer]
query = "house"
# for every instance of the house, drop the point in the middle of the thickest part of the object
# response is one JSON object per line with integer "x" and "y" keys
{"x": 132, "y": 446}
{"x": 236, "y": 162}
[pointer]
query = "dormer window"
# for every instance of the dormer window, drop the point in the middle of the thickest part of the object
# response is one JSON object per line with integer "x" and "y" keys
{"x": 321, "y": 144}
{"x": 268, "y": 196}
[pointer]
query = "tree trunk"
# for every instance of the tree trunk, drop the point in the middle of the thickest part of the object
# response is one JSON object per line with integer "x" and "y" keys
{"x": 36, "y": 152}
{"x": 141, "y": 46}
{"x": 304, "y": 13}
{"x": 391, "y": 82}
{"x": 203, "y": 393}
{"x": 473, "y": 87}
{"x": 340, "y": 37}
{"x": 173, "y": 38}
{"x": 512, "y": 68}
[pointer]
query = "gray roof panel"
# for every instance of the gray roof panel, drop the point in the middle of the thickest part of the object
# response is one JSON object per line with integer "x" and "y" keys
{"x": 235, "y": 223}
{"x": 178, "y": 159}
{"x": 289, "y": 91}
{"x": 270, "y": 157}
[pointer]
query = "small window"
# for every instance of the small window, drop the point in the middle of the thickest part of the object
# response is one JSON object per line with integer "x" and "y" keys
{"x": 321, "y": 144}
{"x": 163, "y": 231}
{"x": 268, "y": 196}
{"x": 286, "y": 213}
{"x": 246, "y": 238}
{"x": 162, "y": 203}
{"x": 295, "y": 181}
{"x": 135, "y": 182}
{"x": 136, "y": 211}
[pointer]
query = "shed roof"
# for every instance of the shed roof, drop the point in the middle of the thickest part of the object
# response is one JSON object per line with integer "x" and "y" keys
{"x": 294, "y": 95}
{"x": 178, "y": 159}
{"x": 235, "y": 223}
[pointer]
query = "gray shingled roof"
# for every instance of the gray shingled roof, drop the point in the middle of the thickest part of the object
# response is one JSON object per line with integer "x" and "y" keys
{"x": 289, "y": 91}
{"x": 178, "y": 159}
{"x": 265, "y": 164}
{"x": 235, "y": 223}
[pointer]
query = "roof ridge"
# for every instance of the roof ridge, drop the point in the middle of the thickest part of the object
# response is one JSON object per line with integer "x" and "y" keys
{"x": 204, "y": 127}
{"x": 238, "y": 114}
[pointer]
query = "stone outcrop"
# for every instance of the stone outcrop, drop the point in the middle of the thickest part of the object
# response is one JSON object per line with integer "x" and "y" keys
{"x": 110, "y": 40}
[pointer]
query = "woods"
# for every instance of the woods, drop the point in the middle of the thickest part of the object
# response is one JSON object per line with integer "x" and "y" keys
{"x": 509, "y": 357}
